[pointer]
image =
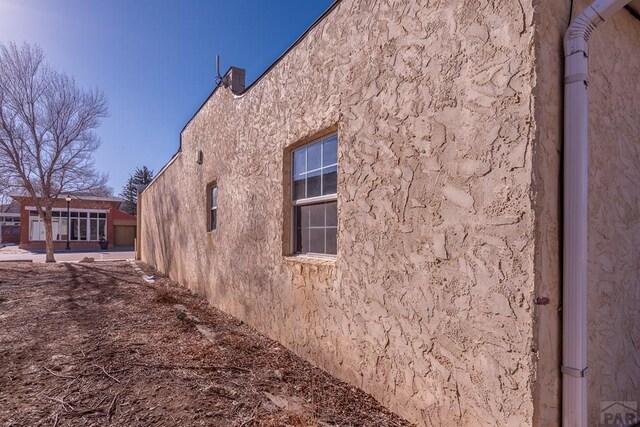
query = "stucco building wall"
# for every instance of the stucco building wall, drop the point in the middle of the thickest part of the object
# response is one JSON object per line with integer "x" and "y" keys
{"x": 427, "y": 305}
{"x": 614, "y": 208}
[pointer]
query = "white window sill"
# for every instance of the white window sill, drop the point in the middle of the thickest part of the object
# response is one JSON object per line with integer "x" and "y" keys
{"x": 329, "y": 260}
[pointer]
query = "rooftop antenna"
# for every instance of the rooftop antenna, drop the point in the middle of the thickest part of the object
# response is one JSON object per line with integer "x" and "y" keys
{"x": 219, "y": 79}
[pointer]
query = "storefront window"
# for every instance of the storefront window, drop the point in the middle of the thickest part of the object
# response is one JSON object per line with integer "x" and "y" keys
{"x": 84, "y": 226}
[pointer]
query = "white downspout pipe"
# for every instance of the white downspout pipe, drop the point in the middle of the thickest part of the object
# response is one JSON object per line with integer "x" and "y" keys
{"x": 576, "y": 147}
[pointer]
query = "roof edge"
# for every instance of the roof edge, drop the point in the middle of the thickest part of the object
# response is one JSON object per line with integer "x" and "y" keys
{"x": 269, "y": 68}
{"x": 74, "y": 196}
{"x": 248, "y": 88}
{"x": 164, "y": 168}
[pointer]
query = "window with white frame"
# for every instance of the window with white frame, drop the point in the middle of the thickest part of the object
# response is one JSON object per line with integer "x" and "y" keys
{"x": 213, "y": 207}
{"x": 87, "y": 226}
{"x": 314, "y": 194}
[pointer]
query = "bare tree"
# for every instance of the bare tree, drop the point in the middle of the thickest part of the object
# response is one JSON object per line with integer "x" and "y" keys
{"x": 46, "y": 131}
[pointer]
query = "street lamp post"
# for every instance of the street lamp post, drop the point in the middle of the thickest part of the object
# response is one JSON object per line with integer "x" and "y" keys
{"x": 68, "y": 199}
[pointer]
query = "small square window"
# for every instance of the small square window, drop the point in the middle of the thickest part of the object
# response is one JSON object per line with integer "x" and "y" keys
{"x": 314, "y": 196}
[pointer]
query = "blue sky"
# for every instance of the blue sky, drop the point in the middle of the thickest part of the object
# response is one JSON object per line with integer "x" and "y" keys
{"x": 154, "y": 59}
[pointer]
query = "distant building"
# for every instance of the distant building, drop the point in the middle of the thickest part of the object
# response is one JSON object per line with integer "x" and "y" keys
{"x": 10, "y": 223}
{"x": 91, "y": 218}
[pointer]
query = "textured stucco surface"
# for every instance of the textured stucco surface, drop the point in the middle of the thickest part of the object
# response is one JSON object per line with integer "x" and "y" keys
{"x": 614, "y": 208}
{"x": 427, "y": 305}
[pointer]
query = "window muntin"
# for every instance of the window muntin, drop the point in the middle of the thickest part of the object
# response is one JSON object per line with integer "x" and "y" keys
{"x": 314, "y": 187}
{"x": 213, "y": 207}
{"x": 10, "y": 219}
{"x": 316, "y": 228}
{"x": 315, "y": 169}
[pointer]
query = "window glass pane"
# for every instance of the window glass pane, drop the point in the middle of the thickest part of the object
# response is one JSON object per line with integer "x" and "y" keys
{"x": 83, "y": 214}
{"x": 299, "y": 163}
{"x": 101, "y": 228}
{"x": 55, "y": 228}
{"x": 331, "y": 214}
{"x": 83, "y": 228}
{"x": 55, "y": 214}
{"x": 314, "y": 154}
{"x": 316, "y": 240}
{"x": 213, "y": 205}
{"x": 298, "y": 188}
{"x": 315, "y": 228}
{"x": 102, "y": 215}
{"x": 93, "y": 215}
{"x": 298, "y": 237}
{"x": 63, "y": 228}
{"x": 34, "y": 230}
{"x": 329, "y": 180}
{"x": 303, "y": 240}
{"x": 33, "y": 213}
{"x": 74, "y": 229}
{"x": 74, "y": 214}
{"x": 93, "y": 223}
{"x": 303, "y": 216}
{"x": 330, "y": 151}
{"x": 330, "y": 234}
{"x": 316, "y": 215}
{"x": 63, "y": 214}
{"x": 302, "y": 228}
{"x": 213, "y": 224}
{"x": 313, "y": 184}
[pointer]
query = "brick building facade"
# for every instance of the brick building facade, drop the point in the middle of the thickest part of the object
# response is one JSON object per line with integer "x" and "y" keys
{"x": 91, "y": 218}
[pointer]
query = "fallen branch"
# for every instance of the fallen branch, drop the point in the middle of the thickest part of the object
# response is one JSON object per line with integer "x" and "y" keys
{"x": 248, "y": 421}
{"x": 253, "y": 415}
{"x": 85, "y": 411}
{"x": 60, "y": 401}
{"x": 112, "y": 407}
{"x": 59, "y": 375}
{"x": 106, "y": 373}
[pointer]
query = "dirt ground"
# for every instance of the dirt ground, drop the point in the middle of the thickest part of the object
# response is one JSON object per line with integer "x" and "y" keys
{"x": 95, "y": 344}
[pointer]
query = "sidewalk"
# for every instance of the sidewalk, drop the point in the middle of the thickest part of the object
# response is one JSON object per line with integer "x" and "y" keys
{"x": 14, "y": 253}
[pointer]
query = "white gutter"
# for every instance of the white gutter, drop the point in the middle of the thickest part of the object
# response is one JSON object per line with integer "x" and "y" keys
{"x": 576, "y": 147}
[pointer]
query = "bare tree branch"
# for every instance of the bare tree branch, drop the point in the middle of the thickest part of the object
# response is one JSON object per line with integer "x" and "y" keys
{"x": 47, "y": 137}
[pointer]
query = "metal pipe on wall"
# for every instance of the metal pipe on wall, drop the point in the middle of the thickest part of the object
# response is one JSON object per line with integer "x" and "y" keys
{"x": 576, "y": 148}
